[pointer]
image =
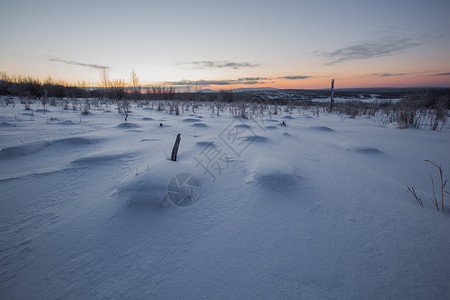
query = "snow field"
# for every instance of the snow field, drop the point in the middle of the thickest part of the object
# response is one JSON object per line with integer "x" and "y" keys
{"x": 317, "y": 209}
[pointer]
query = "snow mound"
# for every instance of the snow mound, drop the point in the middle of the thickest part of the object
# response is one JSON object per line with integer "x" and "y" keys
{"x": 66, "y": 122}
{"x": 255, "y": 138}
{"x": 33, "y": 147}
{"x": 200, "y": 124}
{"x": 245, "y": 126}
{"x": 24, "y": 149}
{"x": 191, "y": 120}
{"x": 143, "y": 187}
{"x": 364, "y": 150}
{"x": 102, "y": 157}
{"x": 204, "y": 143}
{"x": 149, "y": 186}
{"x": 195, "y": 116}
{"x": 321, "y": 128}
{"x": 149, "y": 140}
{"x": 272, "y": 173}
{"x": 77, "y": 140}
{"x": 271, "y": 127}
{"x": 128, "y": 125}
{"x": 147, "y": 119}
{"x": 287, "y": 118}
{"x": 6, "y": 124}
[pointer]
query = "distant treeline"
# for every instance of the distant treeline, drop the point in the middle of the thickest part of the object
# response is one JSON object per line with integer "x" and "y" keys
{"x": 31, "y": 88}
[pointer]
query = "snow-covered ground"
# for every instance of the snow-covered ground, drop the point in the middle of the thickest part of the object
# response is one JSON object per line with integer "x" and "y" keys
{"x": 317, "y": 209}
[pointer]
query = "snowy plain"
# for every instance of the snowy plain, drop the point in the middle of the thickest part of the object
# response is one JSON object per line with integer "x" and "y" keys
{"x": 317, "y": 209}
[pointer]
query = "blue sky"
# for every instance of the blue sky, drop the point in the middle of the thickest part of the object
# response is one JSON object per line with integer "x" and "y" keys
{"x": 295, "y": 44}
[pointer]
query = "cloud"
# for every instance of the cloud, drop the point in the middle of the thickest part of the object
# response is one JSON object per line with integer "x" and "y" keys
{"x": 295, "y": 77}
{"x": 240, "y": 81}
{"x": 248, "y": 79}
{"x": 197, "y": 82}
{"x": 206, "y": 64}
{"x": 388, "y": 74}
{"x": 441, "y": 74}
{"x": 244, "y": 81}
{"x": 75, "y": 63}
{"x": 376, "y": 48}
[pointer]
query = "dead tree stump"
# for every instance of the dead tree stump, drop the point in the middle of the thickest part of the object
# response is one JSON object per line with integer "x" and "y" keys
{"x": 175, "y": 148}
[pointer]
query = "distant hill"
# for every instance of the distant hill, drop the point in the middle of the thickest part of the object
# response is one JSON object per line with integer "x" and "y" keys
{"x": 254, "y": 89}
{"x": 241, "y": 90}
{"x": 207, "y": 91}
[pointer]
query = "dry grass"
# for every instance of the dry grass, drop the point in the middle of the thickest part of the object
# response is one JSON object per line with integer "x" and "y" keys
{"x": 433, "y": 200}
{"x": 413, "y": 192}
{"x": 443, "y": 183}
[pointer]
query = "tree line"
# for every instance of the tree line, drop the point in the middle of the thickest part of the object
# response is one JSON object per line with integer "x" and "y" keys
{"x": 116, "y": 89}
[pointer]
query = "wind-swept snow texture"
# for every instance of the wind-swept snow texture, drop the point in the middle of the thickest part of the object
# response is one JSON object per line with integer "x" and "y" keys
{"x": 314, "y": 210}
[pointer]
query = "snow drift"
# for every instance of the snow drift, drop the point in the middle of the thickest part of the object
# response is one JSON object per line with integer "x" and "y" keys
{"x": 148, "y": 186}
{"x": 272, "y": 173}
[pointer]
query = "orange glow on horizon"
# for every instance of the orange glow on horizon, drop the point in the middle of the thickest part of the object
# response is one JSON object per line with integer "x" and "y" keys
{"x": 348, "y": 82}
{"x": 314, "y": 82}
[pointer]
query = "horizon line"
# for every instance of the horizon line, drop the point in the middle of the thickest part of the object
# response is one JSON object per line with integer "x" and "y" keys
{"x": 200, "y": 85}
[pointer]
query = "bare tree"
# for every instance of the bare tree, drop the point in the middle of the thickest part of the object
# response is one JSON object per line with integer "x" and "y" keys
{"x": 197, "y": 87}
{"x": 134, "y": 81}
{"x": 104, "y": 81}
{"x": 118, "y": 93}
{"x": 104, "y": 78}
{"x": 118, "y": 88}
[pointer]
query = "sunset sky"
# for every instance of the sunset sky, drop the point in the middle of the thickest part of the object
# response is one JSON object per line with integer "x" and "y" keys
{"x": 230, "y": 44}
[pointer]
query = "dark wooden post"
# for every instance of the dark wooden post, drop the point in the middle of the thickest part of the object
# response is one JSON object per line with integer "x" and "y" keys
{"x": 175, "y": 148}
{"x": 332, "y": 95}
